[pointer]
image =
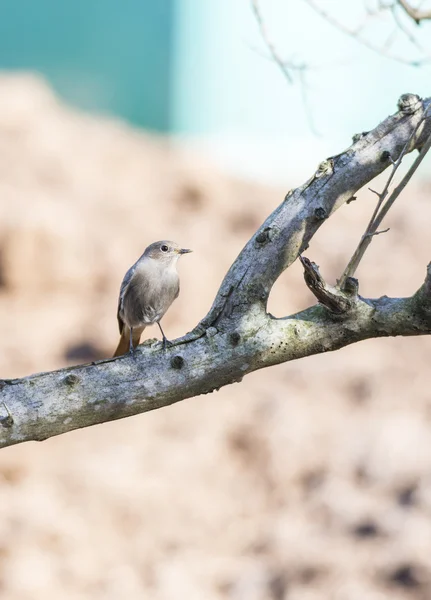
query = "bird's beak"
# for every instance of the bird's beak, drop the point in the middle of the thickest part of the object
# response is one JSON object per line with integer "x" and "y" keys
{"x": 184, "y": 251}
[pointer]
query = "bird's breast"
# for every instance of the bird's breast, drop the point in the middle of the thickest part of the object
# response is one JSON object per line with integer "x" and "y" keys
{"x": 151, "y": 292}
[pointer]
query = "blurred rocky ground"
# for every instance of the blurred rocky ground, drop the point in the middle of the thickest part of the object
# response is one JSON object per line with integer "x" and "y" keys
{"x": 308, "y": 481}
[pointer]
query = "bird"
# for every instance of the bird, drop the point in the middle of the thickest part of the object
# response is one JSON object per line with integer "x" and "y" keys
{"x": 148, "y": 289}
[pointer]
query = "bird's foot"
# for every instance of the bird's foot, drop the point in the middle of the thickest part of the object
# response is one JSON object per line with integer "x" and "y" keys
{"x": 166, "y": 343}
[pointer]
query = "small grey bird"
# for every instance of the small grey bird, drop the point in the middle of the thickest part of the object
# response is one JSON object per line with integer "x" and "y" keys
{"x": 148, "y": 289}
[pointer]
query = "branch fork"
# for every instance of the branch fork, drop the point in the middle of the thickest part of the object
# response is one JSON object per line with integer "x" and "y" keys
{"x": 238, "y": 336}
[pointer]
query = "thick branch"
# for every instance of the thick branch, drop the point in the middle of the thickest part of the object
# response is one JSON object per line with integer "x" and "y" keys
{"x": 287, "y": 232}
{"x": 48, "y": 404}
{"x": 237, "y": 336}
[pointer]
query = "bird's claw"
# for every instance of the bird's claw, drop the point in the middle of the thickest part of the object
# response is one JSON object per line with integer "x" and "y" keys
{"x": 165, "y": 344}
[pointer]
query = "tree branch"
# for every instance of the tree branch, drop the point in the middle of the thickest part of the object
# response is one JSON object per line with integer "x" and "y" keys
{"x": 381, "y": 209}
{"x": 416, "y": 14}
{"x": 237, "y": 336}
{"x": 337, "y": 301}
{"x": 284, "y": 67}
{"x": 356, "y": 33}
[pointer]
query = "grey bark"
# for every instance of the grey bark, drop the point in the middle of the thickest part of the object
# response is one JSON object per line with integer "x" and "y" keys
{"x": 238, "y": 336}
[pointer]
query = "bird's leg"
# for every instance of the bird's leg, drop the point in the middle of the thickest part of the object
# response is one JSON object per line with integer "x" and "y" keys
{"x": 166, "y": 342}
{"x": 131, "y": 348}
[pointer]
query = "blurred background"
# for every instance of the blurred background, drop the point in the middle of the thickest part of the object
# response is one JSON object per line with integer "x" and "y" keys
{"x": 124, "y": 123}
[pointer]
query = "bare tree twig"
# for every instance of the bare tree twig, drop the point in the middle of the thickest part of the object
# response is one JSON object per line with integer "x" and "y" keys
{"x": 381, "y": 211}
{"x": 409, "y": 35}
{"x": 356, "y": 34}
{"x": 371, "y": 234}
{"x": 306, "y": 102}
{"x": 390, "y": 40}
{"x": 395, "y": 165}
{"x": 415, "y": 13}
{"x": 397, "y": 191}
{"x": 281, "y": 63}
{"x": 285, "y": 66}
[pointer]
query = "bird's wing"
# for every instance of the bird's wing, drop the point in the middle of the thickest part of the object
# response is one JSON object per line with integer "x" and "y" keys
{"x": 124, "y": 285}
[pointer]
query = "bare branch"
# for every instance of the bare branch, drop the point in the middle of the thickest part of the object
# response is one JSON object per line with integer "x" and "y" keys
{"x": 285, "y": 66}
{"x": 409, "y": 35}
{"x": 415, "y": 13}
{"x": 289, "y": 229}
{"x": 237, "y": 336}
{"x": 381, "y": 210}
{"x": 281, "y": 63}
{"x": 378, "y": 232}
{"x": 49, "y": 404}
{"x": 383, "y": 49}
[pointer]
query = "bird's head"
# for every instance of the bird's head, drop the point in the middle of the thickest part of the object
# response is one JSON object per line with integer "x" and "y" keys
{"x": 165, "y": 251}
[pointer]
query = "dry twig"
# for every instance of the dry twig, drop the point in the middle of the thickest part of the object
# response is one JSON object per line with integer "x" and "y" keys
{"x": 383, "y": 49}
{"x": 416, "y": 14}
{"x": 382, "y": 208}
{"x": 285, "y": 66}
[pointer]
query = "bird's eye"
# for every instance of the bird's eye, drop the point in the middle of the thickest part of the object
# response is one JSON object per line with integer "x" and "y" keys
{"x": 164, "y": 248}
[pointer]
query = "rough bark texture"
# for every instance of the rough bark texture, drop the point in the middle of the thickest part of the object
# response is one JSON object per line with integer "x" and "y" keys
{"x": 238, "y": 336}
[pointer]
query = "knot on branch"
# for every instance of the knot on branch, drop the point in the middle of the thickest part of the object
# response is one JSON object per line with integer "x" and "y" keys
{"x": 334, "y": 299}
{"x": 177, "y": 362}
{"x": 326, "y": 167}
{"x": 263, "y": 236}
{"x": 234, "y": 338}
{"x": 358, "y": 136}
{"x": 71, "y": 379}
{"x": 409, "y": 103}
{"x": 385, "y": 156}
{"x": 320, "y": 213}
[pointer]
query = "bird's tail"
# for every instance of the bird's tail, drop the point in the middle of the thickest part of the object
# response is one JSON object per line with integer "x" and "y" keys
{"x": 123, "y": 344}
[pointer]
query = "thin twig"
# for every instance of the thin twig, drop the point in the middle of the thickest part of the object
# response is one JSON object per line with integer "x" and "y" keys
{"x": 415, "y": 13}
{"x": 285, "y": 66}
{"x": 378, "y": 232}
{"x": 305, "y": 101}
{"x": 397, "y": 191}
{"x": 355, "y": 33}
{"x": 390, "y": 40}
{"x": 281, "y": 63}
{"x": 409, "y": 35}
{"x": 382, "y": 195}
{"x": 381, "y": 211}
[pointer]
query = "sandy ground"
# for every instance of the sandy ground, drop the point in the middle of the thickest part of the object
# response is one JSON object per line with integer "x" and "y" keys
{"x": 308, "y": 481}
